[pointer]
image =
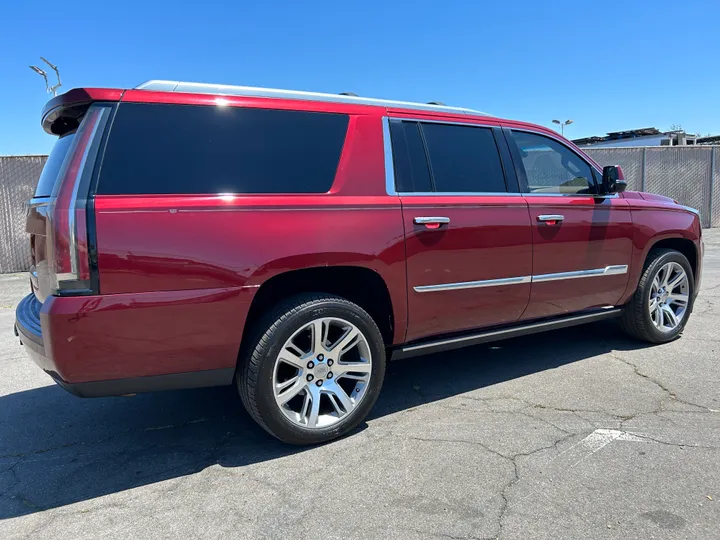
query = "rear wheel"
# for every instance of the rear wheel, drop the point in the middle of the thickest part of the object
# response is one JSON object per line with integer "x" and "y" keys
{"x": 661, "y": 305}
{"x": 314, "y": 369}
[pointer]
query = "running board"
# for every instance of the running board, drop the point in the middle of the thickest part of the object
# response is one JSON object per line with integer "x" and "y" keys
{"x": 447, "y": 344}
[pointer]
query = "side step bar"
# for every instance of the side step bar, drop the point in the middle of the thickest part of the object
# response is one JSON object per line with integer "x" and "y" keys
{"x": 447, "y": 344}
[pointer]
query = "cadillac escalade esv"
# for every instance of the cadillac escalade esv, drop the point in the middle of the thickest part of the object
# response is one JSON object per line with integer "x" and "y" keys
{"x": 187, "y": 235}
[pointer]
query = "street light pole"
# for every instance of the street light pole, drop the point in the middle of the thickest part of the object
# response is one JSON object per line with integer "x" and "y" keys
{"x": 562, "y": 125}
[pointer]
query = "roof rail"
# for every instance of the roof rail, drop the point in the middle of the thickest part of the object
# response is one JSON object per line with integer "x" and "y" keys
{"x": 222, "y": 89}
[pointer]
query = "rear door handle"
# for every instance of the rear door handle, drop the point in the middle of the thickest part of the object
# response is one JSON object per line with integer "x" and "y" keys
{"x": 551, "y": 219}
{"x": 432, "y": 222}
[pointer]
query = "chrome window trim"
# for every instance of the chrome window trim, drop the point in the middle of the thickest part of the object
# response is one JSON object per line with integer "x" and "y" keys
{"x": 606, "y": 196}
{"x": 390, "y": 188}
{"x": 458, "y": 193}
{"x": 252, "y": 91}
{"x": 497, "y": 194}
{"x": 613, "y": 270}
{"x": 448, "y": 122}
{"x": 389, "y": 163}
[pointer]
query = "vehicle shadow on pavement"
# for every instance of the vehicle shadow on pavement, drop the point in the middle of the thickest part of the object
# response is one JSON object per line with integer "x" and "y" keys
{"x": 56, "y": 449}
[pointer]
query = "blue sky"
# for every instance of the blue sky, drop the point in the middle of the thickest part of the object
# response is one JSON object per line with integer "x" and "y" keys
{"x": 607, "y": 65}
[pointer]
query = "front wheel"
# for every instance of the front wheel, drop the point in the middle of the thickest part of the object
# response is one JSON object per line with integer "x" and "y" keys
{"x": 314, "y": 369}
{"x": 661, "y": 305}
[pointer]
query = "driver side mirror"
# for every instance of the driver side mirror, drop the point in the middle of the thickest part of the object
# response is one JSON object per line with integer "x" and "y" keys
{"x": 613, "y": 179}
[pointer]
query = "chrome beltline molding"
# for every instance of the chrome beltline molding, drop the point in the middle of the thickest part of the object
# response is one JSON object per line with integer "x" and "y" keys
{"x": 613, "y": 270}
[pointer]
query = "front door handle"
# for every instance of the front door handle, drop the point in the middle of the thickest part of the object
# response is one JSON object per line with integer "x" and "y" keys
{"x": 551, "y": 219}
{"x": 432, "y": 222}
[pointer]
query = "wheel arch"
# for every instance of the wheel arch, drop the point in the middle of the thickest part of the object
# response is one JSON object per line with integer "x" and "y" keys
{"x": 360, "y": 285}
{"x": 677, "y": 241}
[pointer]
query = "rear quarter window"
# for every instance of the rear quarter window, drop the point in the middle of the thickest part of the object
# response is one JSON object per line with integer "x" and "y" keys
{"x": 185, "y": 149}
{"x": 53, "y": 165}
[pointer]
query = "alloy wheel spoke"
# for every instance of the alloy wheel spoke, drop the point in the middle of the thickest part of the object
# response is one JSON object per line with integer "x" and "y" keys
{"x": 355, "y": 376}
{"x": 653, "y": 305}
{"x": 680, "y": 299}
{"x": 287, "y": 390}
{"x": 346, "y": 342}
{"x": 314, "y": 411}
{"x": 305, "y": 409}
{"x": 319, "y": 335}
{"x": 338, "y": 393}
{"x": 676, "y": 281}
{"x": 290, "y": 355}
{"x": 354, "y": 367}
{"x": 656, "y": 317}
{"x": 669, "y": 315}
{"x": 655, "y": 284}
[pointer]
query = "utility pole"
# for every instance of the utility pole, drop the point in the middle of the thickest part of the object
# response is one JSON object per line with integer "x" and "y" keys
{"x": 50, "y": 89}
{"x": 562, "y": 125}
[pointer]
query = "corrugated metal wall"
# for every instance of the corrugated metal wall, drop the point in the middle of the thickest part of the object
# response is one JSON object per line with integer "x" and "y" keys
{"x": 18, "y": 178}
{"x": 689, "y": 174}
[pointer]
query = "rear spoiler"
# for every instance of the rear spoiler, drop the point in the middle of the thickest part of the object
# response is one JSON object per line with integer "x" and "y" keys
{"x": 63, "y": 113}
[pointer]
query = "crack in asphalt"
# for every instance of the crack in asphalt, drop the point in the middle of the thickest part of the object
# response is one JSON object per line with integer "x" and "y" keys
{"x": 668, "y": 443}
{"x": 441, "y": 535}
{"x": 503, "y": 494}
{"x": 672, "y": 395}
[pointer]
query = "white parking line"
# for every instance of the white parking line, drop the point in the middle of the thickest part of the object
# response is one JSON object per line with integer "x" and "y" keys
{"x": 594, "y": 442}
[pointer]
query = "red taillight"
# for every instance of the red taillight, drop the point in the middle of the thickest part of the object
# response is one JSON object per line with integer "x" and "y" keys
{"x": 67, "y": 216}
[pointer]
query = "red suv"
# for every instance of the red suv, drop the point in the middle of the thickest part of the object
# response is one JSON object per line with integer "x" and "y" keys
{"x": 188, "y": 235}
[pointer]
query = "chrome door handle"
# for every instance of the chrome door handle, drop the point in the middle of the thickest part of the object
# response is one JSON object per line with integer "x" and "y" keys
{"x": 432, "y": 220}
{"x": 550, "y": 219}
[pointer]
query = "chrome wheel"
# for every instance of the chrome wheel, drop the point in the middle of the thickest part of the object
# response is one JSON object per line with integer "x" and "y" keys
{"x": 669, "y": 297}
{"x": 322, "y": 372}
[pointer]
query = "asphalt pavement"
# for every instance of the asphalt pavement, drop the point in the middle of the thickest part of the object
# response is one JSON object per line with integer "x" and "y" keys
{"x": 578, "y": 433}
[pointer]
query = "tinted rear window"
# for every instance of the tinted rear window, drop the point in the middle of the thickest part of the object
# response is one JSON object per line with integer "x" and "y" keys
{"x": 175, "y": 149}
{"x": 52, "y": 167}
{"x": 464, "y": 159}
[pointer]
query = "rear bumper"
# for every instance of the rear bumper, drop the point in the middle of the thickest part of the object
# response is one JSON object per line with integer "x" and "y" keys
{"x": 139, "y": 385}
{"x": 129, "y": 343}
{"x": 28, "y": 329}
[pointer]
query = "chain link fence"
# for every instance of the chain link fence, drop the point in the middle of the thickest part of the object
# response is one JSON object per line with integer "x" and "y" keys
{"x": 18, "y": 178}
{"x": 688, "y": 174}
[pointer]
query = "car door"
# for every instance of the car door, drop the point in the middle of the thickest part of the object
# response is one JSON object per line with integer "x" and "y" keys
{"x": 582, "y": 239}
{"x": 467, "y": 234}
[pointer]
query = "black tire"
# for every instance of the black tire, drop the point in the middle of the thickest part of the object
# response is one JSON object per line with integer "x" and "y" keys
{"x": 254, "y": 376}
{"x": 635, "y": 318}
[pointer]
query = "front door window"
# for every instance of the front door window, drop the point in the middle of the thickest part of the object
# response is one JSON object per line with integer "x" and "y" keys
{"x": 551, "y": 167}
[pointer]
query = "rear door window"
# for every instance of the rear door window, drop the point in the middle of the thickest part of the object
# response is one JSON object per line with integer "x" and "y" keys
{"x": 183, "y": 149}
{"x": 463, "y": 159}
{"x": 411, "y": 166}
